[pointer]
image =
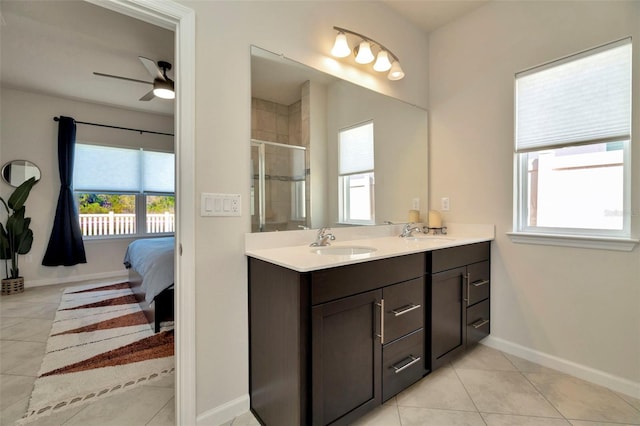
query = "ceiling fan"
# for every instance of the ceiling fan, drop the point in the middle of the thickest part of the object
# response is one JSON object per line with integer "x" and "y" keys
{"x": 162, "y": 85}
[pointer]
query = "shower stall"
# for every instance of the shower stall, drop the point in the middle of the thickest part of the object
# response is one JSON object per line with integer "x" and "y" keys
{"x": 279, "y": 187}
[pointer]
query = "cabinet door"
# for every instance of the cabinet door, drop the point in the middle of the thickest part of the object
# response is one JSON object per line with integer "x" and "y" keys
{"x": 447, "y": 314}
{"x": 346, "y": 358}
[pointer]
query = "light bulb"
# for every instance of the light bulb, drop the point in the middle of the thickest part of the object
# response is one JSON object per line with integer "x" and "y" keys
{"x": 341, "y": 48}
{"x": 364, "y": 55}
{"x": 396, "y": 72}
{"x": 382, "y": 63}
{"x": 163, "y": 89}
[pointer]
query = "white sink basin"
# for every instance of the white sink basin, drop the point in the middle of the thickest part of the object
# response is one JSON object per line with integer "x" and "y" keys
{"x": 343, "y": 250}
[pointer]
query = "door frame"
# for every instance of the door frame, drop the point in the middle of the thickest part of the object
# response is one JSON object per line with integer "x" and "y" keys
{"x": 180, "y": 19}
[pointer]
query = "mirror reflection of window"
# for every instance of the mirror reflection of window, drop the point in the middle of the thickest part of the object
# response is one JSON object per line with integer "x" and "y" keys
{"x": 18, "y": 171}
{"x": 356, "y": 174}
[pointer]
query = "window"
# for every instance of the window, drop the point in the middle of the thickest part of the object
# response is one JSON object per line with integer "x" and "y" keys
{"x": 356, "y": 174}
{"x": 573, "y": 127}
{"x": 124, "y": 191}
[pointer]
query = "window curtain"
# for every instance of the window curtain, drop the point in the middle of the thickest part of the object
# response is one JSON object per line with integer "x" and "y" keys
{"x": 65, "y": 244}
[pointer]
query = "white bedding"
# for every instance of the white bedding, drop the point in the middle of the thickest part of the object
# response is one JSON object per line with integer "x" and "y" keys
{"x": 152, "y": 258}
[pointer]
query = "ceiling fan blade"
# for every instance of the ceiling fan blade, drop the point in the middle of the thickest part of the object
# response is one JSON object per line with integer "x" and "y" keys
{"x": 151, "y": 67}
{"x": 148, "y": 96}
{"x": 122, "y": 78}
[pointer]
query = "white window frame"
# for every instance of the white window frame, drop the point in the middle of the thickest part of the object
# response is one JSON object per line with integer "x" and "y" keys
{"x": 344, "y": 200}
{"x": 573, "y": 237}
{"x": 140, "y": 205}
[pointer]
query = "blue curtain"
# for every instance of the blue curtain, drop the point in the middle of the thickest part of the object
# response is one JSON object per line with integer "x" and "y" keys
{"x": 65, "y": 245}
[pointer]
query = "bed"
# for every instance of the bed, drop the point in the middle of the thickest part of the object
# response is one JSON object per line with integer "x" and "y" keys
{"x": 151, "y": 275}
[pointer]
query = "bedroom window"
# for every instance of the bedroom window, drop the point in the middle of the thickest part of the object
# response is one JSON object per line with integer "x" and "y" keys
{"x": 124, "y": 191}
{"x": 356, "y": 175}
{"x": 572, "y": 148}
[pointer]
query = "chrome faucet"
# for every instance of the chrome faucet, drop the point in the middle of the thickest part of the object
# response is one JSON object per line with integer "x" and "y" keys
{"x": 408, "y": 229}
{"x": 322, "y": 239}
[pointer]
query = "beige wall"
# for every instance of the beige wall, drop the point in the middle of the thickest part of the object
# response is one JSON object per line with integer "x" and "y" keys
{"x": 28, "y": 132}
{"x": 224, "y": 32}
{"x": 580, "y": 305}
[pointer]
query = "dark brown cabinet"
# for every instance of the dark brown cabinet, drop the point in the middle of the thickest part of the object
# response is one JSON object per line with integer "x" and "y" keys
{"x": 346, "y": 357}
{"x": 329, "y": 345}
{"x": 459, "y": 286}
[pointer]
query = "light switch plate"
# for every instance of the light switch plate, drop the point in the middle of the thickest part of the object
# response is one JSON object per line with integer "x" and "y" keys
{"x": 216, "y": 204}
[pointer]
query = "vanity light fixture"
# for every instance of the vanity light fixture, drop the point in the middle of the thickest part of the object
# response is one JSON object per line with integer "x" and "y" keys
{"x": 364, "y": 54}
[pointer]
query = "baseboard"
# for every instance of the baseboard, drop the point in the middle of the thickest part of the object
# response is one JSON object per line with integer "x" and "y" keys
{"x": 112, "y": 275}
{"x": 615, "y": 383}
{"x": 225, "y": 412}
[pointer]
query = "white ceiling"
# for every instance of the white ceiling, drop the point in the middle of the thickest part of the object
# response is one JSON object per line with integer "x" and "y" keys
{"x": 430, "y": 15}
{"x": 53, "y": 47}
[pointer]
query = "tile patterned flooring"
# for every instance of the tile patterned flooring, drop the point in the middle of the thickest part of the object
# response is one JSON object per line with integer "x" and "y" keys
{"x": 25, "y": 323}
{"x": 484, "y": 387}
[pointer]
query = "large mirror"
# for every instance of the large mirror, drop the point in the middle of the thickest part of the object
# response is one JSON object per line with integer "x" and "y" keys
{"x": 17, "y": 172}
{"x": 326, "y": 152}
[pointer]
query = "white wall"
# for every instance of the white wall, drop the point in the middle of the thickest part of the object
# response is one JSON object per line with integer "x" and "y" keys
{"x": 580, "y": 305}
{"x": 224, "y": 32}
{"x": 29, "y": 133}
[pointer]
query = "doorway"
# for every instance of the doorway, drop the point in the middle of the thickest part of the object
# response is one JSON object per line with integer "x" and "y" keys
{"x": 181, "y": 20}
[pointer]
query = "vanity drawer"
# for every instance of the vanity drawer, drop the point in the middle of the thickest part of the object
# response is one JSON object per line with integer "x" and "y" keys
{"x": 403, "y": 363}
{"x": 335, "y": 283}
{"x": 453, "y": 257}
{"x": 403, "y": 308}
{"x": 479, "y": 282}
{"x": 478, "y": 325}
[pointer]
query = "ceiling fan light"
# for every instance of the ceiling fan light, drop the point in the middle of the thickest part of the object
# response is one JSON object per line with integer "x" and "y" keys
{"x": 382, "y": 62}
{"x": 163, "y": 89}
{"x": 396, "y": 72}
{"x": 341, "y": 48}
{"x": 364, "y": 54}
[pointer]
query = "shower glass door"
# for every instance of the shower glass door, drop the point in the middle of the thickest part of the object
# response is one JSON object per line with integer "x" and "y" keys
{"x": 278, "y": 187}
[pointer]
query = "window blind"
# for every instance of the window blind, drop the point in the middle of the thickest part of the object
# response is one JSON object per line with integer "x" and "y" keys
{"x": 158, "y": 172}
{"x": 125, "y": 170}
{"x": 356, "y": 149}
{"x": 580, "y": 99}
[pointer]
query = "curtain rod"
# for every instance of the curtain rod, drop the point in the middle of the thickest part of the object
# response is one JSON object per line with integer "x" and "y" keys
{"x": 118, "y": 127}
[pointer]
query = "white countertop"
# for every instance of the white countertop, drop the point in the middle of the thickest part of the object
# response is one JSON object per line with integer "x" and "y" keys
{"x": 289, "y": 252}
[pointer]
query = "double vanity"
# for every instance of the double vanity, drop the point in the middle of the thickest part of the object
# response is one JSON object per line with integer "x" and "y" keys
{"x": 335, "y": 331}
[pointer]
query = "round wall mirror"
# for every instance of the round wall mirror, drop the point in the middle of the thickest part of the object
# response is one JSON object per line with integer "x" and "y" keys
{"x": 18, "y": 171}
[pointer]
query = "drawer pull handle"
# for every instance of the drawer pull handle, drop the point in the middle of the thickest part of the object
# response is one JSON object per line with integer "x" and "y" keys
{"x": 405, "y": 309}
{"x": 413, "y": 360}
{"x": 480, "y": 323}
{"x": 480, "y": 283}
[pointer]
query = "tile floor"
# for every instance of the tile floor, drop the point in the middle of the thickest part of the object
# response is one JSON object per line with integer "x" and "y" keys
{"x": 25, "y": 323}
{"x": 484, "y": 387}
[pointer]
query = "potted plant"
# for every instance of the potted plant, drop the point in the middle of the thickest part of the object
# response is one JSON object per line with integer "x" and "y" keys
{"x": 15, "y": 236}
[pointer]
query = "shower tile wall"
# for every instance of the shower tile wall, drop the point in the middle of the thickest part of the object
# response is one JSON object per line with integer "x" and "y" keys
{"x": 274, "y": 122}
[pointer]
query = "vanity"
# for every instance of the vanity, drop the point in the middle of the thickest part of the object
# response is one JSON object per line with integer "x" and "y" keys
{"x": 335, "y": 332}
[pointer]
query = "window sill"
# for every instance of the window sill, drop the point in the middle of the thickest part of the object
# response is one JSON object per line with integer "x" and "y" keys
{"x": 602, "y": 243}
{"x": 90, "y": 239}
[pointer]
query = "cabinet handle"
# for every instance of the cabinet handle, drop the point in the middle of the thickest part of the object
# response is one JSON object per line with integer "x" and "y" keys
{"x": 480, "y": 283}
{"x": 412, "y": 361}
{"x": 381, "y": 335}
{"x": 468, "y": 278}
{"x": 407, "y": 308}
{"x": 480, "y": 323}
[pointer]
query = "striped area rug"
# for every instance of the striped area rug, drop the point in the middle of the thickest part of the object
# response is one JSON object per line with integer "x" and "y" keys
{"x": 100, "y": 344}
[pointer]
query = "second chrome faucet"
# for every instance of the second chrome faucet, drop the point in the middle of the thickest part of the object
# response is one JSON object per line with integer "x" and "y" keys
{"x": 323, "y": 237}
